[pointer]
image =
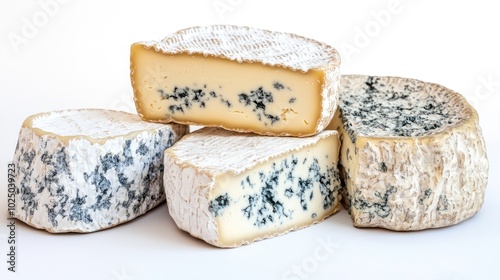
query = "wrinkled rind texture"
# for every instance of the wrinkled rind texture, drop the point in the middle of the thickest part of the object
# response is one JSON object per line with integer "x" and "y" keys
{"x": 330, "y": 97}
{"x": 246, "y": 44}
{"x": 194, "y": 163}
{"x": 212, "y": 149}
{"x": 187, "y": 192}
{"x": 414, "y": 183}
{"x": 83, "y": 186}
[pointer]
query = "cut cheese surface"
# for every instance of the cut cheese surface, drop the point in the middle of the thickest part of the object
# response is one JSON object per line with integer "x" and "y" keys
{"x": 87, "y": 170}
{"x": 238, "y": 78}
{"x": 231, "y": 189}
{"x": 412, "y": 156}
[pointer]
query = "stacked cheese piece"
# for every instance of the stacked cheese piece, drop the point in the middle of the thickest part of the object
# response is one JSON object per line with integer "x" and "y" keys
{"x": 238, "y": 78}
{"x": 225, "y": 185}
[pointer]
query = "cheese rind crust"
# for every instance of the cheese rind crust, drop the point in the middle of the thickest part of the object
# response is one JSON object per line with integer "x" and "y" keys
{"x": 247, "y": 44}
{"x": 78, "y": 177}
{"x": 242, "y": 79}
{"x": 413, "y": 156}
{"x": 231, "y": 189}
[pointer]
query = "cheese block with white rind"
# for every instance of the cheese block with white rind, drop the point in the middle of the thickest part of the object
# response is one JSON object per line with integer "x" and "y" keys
{"x": 239, "y": 78}
{"x": 91, "y": 169}
{"x": 413, "y": 156}
{"x": 230, "y": 188}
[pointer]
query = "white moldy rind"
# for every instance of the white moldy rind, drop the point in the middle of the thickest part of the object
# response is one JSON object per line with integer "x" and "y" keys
{"x": 103, "y": 169}
{"x": 247, "y": 44}
{"x": 252, "y": 45}
{"x": 203, "y": 161}
{"x": 187, "y": 190}
{"x": 330, "y": 99}
{"x": 423, "y": 166}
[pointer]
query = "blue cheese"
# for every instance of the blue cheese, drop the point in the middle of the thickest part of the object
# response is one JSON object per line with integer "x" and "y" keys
{"x": 231, "y": 189}
{"x": 87, "y": 170}
{"x": 238, "y": 78}
{"x": 412, "y": 156}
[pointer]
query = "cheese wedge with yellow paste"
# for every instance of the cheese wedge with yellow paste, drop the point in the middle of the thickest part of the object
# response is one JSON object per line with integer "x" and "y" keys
{"x": 238, "y": 78}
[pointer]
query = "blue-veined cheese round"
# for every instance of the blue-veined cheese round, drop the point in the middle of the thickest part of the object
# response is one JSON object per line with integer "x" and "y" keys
{"x": 230, "y": 188}
{"x": 412, "y": 156}
{"x": 87, "y": 170}
{"x": 239, "y": 78}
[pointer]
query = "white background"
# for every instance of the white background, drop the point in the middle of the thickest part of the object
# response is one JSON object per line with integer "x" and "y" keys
{"x": 75, "y": 54}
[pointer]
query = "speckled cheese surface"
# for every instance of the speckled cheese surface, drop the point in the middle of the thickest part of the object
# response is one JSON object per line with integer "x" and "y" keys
{"x": 238, "y": 78}
{"x": 413, "y": 156}
{"x": 87, "y": 170}
{"x": 230, "y": 188}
